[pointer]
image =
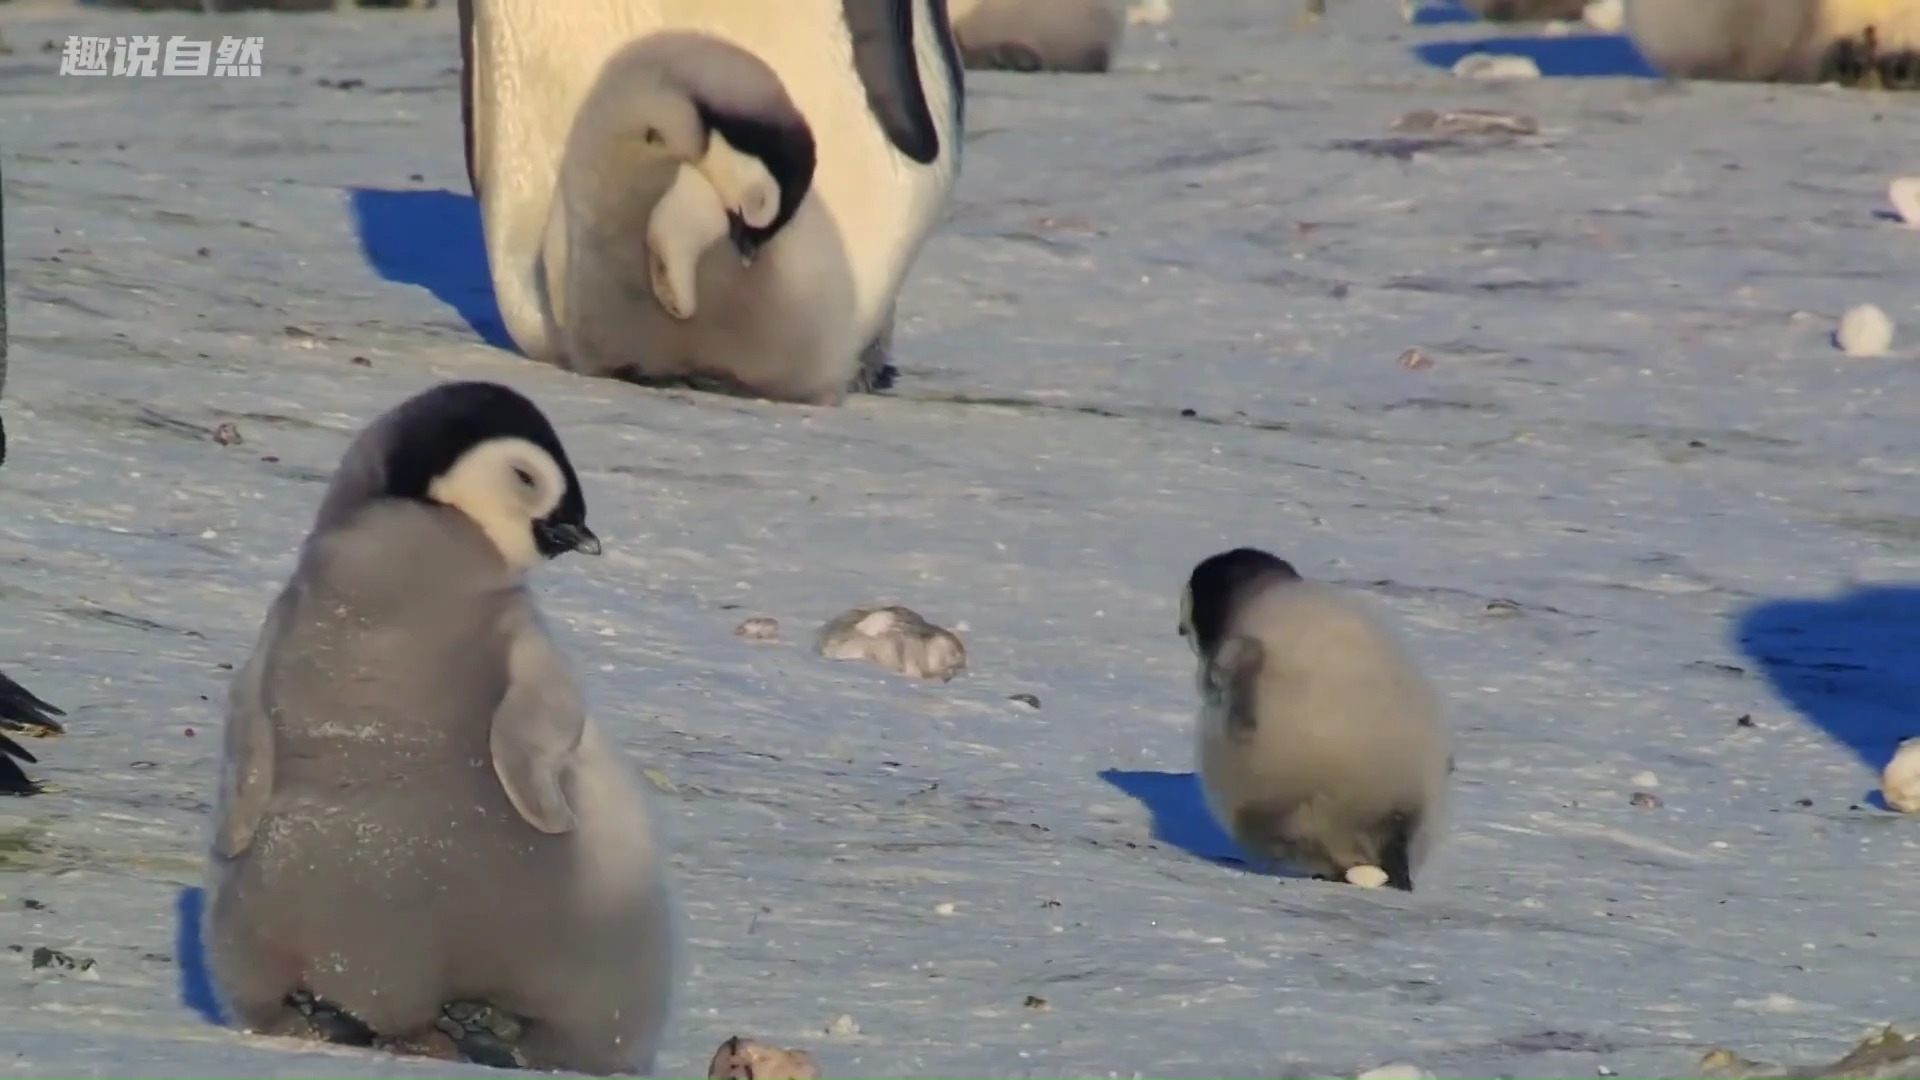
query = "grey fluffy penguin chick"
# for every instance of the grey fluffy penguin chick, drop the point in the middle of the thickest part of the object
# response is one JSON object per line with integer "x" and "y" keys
{"x": 414, "y": 807}
{"x": 1080, "y": 36}
{"x": 1320, "y": 742}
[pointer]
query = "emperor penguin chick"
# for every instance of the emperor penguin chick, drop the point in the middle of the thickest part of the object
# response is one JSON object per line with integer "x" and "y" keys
{"x": 1320, "y": 743}
{"x": 1863, "y": 43}
{"x": 415, "y": 809}
{"x": 1078, "y": 36}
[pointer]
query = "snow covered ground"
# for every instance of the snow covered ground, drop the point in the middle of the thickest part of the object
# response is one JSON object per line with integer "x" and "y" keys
{"x": 1637, "y": 496}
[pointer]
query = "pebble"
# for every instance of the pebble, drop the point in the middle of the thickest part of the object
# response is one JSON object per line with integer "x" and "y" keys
{"x": 1029, "y": 700}
{"x": 1396, "y": 1070}
{"x": 1904, "y": 193}
{"x": 1900, "y": 781}
{"x": 1495, "y": 66}
{"x": 1415, "y": 360}
{"x": 1864, "y": 330}
{"x": 759, "y": 628}
{"x": 227, "y": 435}
{"x": 1367, "y": 877}
{"x": 1646, "y": 800}
{"x": 843, "y": 1025}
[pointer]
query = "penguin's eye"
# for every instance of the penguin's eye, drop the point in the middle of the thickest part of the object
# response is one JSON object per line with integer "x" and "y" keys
{"x": 654, "y": 138}
{"x": 525, "y": 476}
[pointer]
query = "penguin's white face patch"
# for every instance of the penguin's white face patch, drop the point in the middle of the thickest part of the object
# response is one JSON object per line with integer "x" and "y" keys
{"x": 504, "y": 485}
{"x": 742, "y": 180}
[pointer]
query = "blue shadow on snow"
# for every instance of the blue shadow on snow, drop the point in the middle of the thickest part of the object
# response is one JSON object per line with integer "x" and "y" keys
{"x": 1440, "y": 14}
{"x": 432, "y": 239}
{"x": 1576, "y": 56}
{"x": 1849, "y": 663}
{"x": 196, "y": 987}
{"x": 1180, "y": 815}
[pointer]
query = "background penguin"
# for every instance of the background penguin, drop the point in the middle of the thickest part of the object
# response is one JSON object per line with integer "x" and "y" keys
{"x": 1319, "y": 740}
{"x": 1525, "y": 10}
{"x": 414, "y": 808}
{"x": 1079, "y": 36}
{"x": 886, "y": 129}
{"x": 1865, "y": 43}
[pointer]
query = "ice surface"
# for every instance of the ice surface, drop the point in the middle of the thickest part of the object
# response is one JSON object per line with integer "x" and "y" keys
{"x": 1635, "y": 430}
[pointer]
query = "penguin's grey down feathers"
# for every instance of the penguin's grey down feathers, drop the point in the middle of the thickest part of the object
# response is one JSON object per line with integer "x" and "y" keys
{"x": 1320, "y": 743}
{"x": 414, "y": 807}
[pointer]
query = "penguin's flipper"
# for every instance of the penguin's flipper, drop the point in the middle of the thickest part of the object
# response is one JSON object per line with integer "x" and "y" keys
{"x": 1234, "y": 675}
{"x": 20, "y": 710}
{"x": 1396, "y": 848}
{"x": 246, "y": 753}
{"x": 883, "y": 56}
{"x": 536, "y": 731}
{"x": 13, "y": 779}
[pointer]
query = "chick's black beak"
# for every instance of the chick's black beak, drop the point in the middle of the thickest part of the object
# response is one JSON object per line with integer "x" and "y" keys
{"x": 555, "y": 538}
{"x": 745, "y": 241}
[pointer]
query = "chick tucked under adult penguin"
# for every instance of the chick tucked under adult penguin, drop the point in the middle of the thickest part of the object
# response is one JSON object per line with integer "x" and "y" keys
{"x": 849, "y": 110}
{"x": 1079, "y": 36}
{"x": 1320, "y": 743}
{"x": 1863, "y": 43}
{"x": 414, "y": 807}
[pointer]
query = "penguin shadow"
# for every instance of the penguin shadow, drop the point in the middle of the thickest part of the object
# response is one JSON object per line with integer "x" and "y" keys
{"x": 1181, "y": 818}
{"x": 432, "y": 239}
{"x": 1576, "y": 56}
{"x": 1440, "y": 14}
{"x": 196, "y": 986}
{"x": 1846, "y": 663}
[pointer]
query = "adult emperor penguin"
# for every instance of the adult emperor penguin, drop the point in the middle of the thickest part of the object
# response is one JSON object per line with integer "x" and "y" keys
{"x": 1319, "y": 741}
{"x": 1038, "y": 35}
{"x": 1864, "y": 43}
{"x": 414, "y": 807}
{"x": 878, "y": 86}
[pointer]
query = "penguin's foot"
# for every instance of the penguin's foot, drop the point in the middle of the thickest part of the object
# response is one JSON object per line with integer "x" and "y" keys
{"x": 22, "y": 712}
{"x": 1859, "y": 62}
{"x": 327, "y": 1022}
{"x": 871, "y": 379}
{"x": 484, "y": 1035}
{"x": 1900, "y": 70}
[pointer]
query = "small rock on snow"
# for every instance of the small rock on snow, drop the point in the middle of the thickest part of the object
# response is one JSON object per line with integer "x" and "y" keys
{"x": 1496, "y": 66}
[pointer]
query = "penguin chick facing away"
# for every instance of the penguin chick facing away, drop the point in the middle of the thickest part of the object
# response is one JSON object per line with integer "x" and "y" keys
{"x": 1078, "y": 36}
{"x": 414, "y": 808}
{"x": 1320, "y": 743}
{"x": 1861, "y": 43}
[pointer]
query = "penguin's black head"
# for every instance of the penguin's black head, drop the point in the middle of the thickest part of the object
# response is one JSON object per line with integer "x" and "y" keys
{"x": 782, "y": 144}
{"x": 487, "y": 451}
{"x": 1218, "y": 585}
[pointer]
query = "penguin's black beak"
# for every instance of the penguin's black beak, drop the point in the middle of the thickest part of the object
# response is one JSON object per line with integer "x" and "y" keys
{"x": 556, "y": 538}
{"x": 745, "y": 241}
